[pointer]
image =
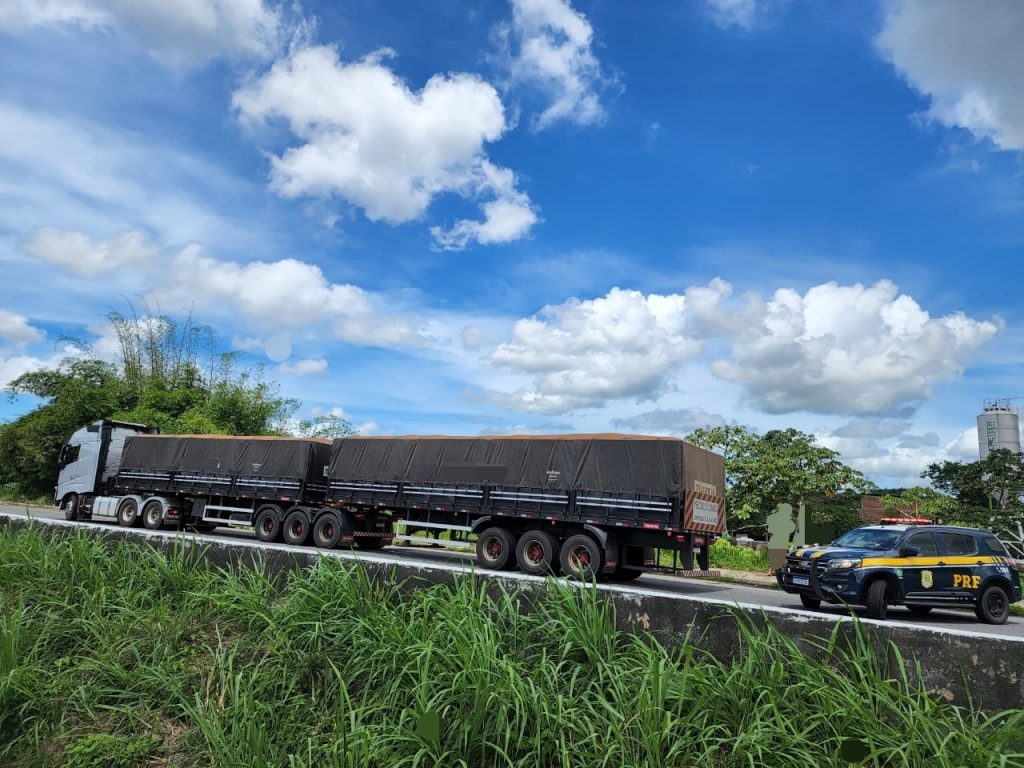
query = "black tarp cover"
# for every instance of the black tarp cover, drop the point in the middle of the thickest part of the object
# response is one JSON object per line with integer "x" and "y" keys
{"x": 281, "y": 457}
{"x": 604, "y": 463}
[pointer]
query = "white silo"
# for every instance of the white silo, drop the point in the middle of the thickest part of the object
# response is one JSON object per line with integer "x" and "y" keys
{"x": 998, "y": 427}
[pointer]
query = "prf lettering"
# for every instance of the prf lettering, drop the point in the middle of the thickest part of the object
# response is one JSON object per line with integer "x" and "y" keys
{"x": 965, "y": 581}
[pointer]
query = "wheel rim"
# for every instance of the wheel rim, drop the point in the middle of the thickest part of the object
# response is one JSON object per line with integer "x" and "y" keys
{"x": 327, "y": 531}
{"x": 152, "y": 516}
{"x": 579, "y": 557}
{"x": 268, "y": 526}
{"x": 493, "y": 547}
{"x": 297, "y": 529}
{"x": 534, "y": 553}
{"x": 996, "y": 603}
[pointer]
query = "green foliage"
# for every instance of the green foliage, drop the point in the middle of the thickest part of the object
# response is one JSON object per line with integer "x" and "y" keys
{"x": 923, "y": 502}
{"x": 169, "y": 377}
{"x": 101, "y": 750}
{"x": 729, "y": 556}
{"x": 335, "y": 668}
{"x": 782, "y": 466}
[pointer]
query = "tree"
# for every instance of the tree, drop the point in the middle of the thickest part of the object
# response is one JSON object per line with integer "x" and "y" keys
{"x": 988, "y": 493}
{"x": 169, "y": 376}
{"x": 923, "y": 502}
{"x": 780, "y": 466}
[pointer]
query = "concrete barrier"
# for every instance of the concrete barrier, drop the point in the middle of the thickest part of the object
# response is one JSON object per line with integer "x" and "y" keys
{"x": 956, "y": 666}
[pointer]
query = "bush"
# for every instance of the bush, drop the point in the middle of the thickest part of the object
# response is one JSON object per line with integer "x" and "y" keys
{"x": 734, "y": 558}
{"x": 101, "y": 750}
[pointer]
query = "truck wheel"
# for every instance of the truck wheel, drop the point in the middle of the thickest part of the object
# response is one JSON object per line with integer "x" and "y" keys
{"x": 810, "y": 602}
{"x": 878, "y": 608}
{"x": 994, "y": 606}
{"x": 326, "y": 531}
{"x": 581, "y": 557}
{"x": 128, "y": 513}
{"x": 70, "y": 506}
{"x": 296, "y": 528}
{"x": 153, "y": 514}
{"x": 537, "y": 553}
{"x": 495, "y": 549}
{"x": 267, "y": 524}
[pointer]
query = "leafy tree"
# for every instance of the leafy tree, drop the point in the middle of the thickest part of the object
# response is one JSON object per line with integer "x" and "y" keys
{"x": 923, "y": 501}
{"x": 987, "y": 493}
{"x": 780, "y": 466}
{"x": 326, "y": 427}
{"x": 168, "y": 375}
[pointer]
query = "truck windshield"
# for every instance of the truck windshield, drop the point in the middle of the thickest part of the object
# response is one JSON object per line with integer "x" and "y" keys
{"x": 868, "y": 538}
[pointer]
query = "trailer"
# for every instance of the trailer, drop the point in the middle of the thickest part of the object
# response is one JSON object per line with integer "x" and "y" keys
{"x": 586, "y": 505}
{"x": 129, "y": 473}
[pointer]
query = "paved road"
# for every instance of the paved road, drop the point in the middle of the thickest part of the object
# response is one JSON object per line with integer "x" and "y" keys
{"x": 697, "y": 588}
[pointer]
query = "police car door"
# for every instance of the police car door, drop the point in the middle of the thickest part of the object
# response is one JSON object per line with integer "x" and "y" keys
{"x": 921, "y": 579}
{"x": 960, "y": 572}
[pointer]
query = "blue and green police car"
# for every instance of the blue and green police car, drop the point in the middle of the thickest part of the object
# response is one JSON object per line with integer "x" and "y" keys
{"x": 910, "y": 563}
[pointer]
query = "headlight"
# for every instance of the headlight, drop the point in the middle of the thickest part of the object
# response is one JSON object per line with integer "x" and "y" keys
{"x": 844, "y": 563}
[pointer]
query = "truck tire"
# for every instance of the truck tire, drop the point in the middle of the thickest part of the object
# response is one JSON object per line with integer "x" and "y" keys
{"x": 878, "y": 607}
{"x": 326, "y": 531}
{"x": 993, "y": 606}
{"x": 296, "y": 528}
{"x": 70, "y": 506}
{"x": 581, "y": 557}
{"x": 495, "y": 549}
{"x": 623, "y": 573}
{"x": 153, "y": 514}
{"x": 267, "y": 524}
{"x": 537, "y": 553}
{"x": 128, "y": 513}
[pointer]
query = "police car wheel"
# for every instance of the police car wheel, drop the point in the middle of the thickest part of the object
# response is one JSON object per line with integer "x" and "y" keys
{"x": 809, "y": 602}
{"x": 878, "y": 608}
{"x": 994, "y": 606}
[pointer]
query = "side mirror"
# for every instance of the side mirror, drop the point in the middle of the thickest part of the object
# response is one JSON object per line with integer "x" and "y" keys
{"x": 63, "y": 455}
{"x": 910, "y": 551}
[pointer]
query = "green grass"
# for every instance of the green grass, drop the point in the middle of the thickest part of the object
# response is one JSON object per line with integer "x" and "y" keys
{"x": 724, "y": 555}
{"x": 130, "y": 657}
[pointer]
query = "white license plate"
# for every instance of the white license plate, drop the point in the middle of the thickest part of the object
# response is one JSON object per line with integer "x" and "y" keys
{"x": 801, "y": 581}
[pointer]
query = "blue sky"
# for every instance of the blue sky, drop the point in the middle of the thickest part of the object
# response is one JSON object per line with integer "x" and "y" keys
{"x": 536, "y": 215}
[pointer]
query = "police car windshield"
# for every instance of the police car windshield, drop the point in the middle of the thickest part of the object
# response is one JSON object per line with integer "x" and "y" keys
{"x": 868, "y": 538}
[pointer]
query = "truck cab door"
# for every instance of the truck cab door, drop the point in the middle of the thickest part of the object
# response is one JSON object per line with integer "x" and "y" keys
{"x": 78, "y": 462}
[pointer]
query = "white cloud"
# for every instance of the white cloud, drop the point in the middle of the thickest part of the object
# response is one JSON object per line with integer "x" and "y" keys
{"x": 276, "y": 295}
{"x": 847, "y": 349}
{"x": 733, "y": 13}
{"x": 967, "y": 58}
{"x": 372, "y": 141}
{"x": 585, "y": 353}
{"x": 670, "y": 421}
{"x": 307, "y": 367}
{"x": 78, "y": 253}
{"x": 15, "y": 328}
{"x": 182, "y": 33}
{"x": 553, "y": 53}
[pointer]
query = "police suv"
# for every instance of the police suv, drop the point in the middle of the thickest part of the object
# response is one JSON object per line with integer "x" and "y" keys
{"x": 907, "y": 562}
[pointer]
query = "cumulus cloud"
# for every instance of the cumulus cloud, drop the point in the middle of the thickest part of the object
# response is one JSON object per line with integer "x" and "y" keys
{"x": 278, "y": 295}
{"x": 307, "y": 367}
{"x": 551, "y": 50}
{"x": 369, "y": 139}
{"x": 967, "y": 58}
{"x": 673, "y": 421}
{"x": 182, "y": 33}
{"x": 847, "y": 349}
{"x": 869, "y": 428}
{"x": 733, "y": 13}
{"x": 82, "y": 256}
{"x": 15, "y": 328}
{"x": 586, "y": 353}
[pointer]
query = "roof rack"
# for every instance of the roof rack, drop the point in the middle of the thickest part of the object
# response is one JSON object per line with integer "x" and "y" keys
{"x": 905, "y": 521}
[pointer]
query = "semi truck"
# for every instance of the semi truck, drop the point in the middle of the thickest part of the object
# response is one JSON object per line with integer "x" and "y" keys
{"x": 588, "y": 506}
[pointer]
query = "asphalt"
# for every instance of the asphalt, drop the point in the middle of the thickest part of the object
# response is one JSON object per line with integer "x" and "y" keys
{"x": 755, "y": 588}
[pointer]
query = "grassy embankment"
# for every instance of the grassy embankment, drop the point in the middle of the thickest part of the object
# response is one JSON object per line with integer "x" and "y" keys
{"x": 131, "y": 657}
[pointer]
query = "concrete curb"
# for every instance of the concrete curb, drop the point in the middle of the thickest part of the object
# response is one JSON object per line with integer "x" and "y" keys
{"x": 954, "y": 665}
